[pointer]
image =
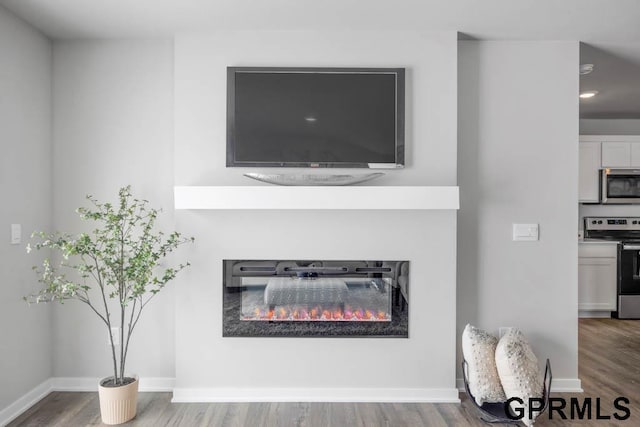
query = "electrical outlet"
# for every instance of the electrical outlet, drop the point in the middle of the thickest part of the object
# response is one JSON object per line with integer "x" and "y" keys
{"x": 115, "y": 333}
{"x": 503, "y": 330}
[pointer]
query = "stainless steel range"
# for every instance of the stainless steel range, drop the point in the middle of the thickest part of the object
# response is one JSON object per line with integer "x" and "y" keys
{"x": 625, "y": 230}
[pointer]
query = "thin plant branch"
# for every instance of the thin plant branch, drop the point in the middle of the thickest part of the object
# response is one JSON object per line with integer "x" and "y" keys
{"x": 119, "y": 259}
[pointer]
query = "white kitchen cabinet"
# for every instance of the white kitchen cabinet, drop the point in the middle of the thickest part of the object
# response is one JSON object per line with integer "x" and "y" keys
{"x": 589, "y": 172}
{"x": 616, "y": 155}
{"x": 635, "y": 154}
{"x": 597, "y": 275}
{"x": 621, "y": 153}
{"x": 617, "y": 151}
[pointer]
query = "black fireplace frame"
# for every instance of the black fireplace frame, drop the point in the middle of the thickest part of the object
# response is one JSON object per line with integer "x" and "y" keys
{"x": 234, "y": 326}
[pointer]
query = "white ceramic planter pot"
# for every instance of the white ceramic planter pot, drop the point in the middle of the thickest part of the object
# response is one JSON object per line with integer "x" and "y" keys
{"x": 118, "y": 404}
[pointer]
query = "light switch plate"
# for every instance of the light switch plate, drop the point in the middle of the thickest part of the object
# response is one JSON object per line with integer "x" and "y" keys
{"x": 16, "y": 234}
{"x": 525, "y": 232}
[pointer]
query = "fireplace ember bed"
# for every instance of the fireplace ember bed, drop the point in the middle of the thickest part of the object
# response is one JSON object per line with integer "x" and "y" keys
{"x": 304, "y": 298}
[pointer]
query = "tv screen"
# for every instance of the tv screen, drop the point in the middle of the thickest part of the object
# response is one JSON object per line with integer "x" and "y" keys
{"x": 315, "y": 117}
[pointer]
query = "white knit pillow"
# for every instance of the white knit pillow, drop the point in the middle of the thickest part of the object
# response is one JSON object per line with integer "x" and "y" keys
{"x": 518, "y": 370}
{"x": 478, "y": 350}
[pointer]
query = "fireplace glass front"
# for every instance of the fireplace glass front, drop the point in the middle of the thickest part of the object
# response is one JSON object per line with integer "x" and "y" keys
{"x": 305, "y": 298}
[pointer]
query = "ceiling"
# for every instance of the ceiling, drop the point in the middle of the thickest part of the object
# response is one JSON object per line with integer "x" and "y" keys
{"x": 616, "y": 77}
{"x": 609, "y": 29}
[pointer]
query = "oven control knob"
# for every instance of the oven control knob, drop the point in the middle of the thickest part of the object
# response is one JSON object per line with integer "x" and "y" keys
{"x": 594, "y": 222}
{"x": 635, "y": 222}
{"x": 600, "y": 221}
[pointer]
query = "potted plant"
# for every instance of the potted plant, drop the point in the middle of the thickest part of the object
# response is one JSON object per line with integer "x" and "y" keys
{"x": 115, "y": 270}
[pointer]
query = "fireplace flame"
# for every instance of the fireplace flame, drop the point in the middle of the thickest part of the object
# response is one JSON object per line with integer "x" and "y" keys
{"x": 319, "y": 313}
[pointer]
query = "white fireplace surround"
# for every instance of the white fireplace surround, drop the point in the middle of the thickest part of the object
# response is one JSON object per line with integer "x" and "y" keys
{"x": 305, "y": 197}
{"x": 334, "y": 213}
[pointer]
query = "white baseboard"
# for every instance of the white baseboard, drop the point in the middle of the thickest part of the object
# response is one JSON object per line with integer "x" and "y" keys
{"x": 567, "y": 385}
{"x": 25, "y": 402}
{"x": 156, "y": 384}
{"x": 595, "y": 314}
{"x": 558, "y": 385}
{"x": 315, "y": 395}
{"x": 596, "y": 306}
{"x": 74, "y": 384}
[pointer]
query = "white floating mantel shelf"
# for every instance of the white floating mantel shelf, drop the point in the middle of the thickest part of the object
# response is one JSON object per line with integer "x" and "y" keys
{"x": 319, "y": 197}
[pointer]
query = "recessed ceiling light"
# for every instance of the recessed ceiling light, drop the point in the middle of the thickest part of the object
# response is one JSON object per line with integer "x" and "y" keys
{"x": 586, "y": 69}
{"x": 588, "y": 94}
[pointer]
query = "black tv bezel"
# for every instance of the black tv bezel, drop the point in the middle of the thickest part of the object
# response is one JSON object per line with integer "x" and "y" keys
{"x": 400, "y": 116}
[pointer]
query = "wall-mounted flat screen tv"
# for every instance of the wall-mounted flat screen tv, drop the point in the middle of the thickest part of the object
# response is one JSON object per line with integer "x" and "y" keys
{"x": 315, "y": 117}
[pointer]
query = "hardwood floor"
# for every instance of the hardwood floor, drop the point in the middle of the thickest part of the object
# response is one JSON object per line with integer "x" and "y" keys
{"x": 609, "y": 366}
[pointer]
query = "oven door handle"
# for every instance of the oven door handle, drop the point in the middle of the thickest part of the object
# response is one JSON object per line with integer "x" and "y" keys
{"x": 630, "y": 247}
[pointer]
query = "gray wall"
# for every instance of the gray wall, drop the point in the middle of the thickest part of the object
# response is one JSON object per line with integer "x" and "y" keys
{"x": 518, "y": 163}
{"x": 113, "y": 126}
{"x": 25, "y": 183}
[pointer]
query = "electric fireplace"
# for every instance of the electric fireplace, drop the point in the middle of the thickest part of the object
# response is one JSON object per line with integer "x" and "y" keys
{"x": 315, "y": 298}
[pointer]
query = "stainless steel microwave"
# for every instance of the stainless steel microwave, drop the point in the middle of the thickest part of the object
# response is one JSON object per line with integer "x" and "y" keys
{"x": 620, "y": 186}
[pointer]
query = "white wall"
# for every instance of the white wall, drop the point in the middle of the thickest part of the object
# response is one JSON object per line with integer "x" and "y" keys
{"x": 208, "y": 366}
{"x": 25, "y": 184}
{"x": 518, "y": 163}
{"x": 113, "y": 126}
